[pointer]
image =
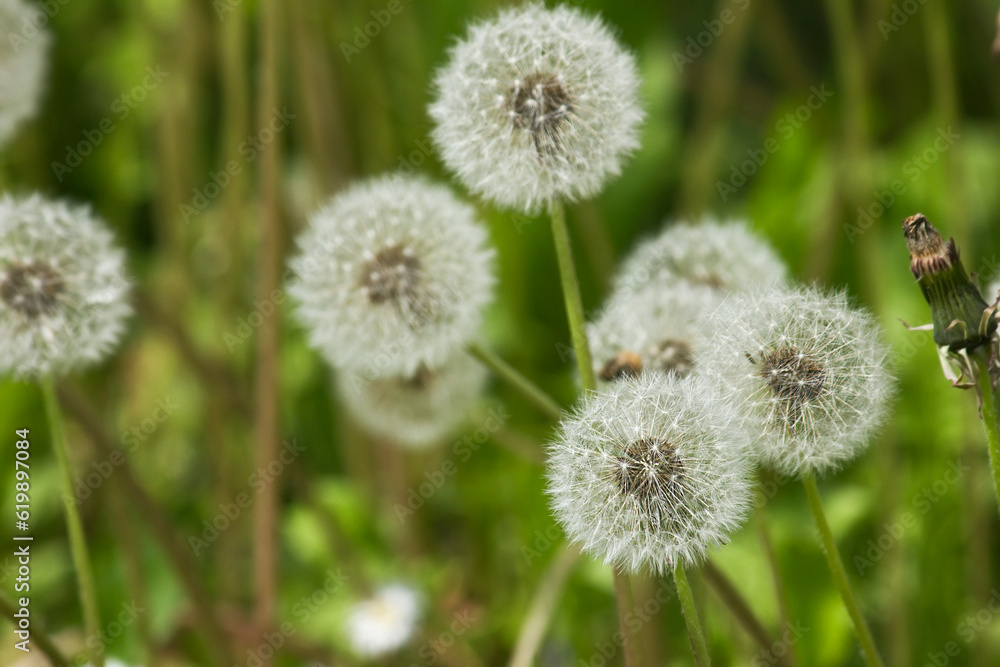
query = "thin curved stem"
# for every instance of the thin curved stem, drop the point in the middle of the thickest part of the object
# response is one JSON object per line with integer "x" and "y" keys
{"x": 532, "y": 631}
{"x": 836, "y": 565}
{"x": 77, "y": 541}
{"x": 571, "y": 293}
{"x": 991, "y": 421}
{"x": 695, "y": 633}
{"x": 515, "y": 379}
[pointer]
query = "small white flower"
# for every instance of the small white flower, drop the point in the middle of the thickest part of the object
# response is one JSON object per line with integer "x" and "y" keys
{"x": 419, "y": 409}
{"x": 23, "y": 61}
{"x": 535, "y": 105}
{"x": 63, "y": 287}
{"x": 652, "y": 329}
{"x": 808, "y": 373}
{"x": 650, "y": 470}
{"x": 393, "y": 275}
{"x": 385, "y": 622}
{"x": 725, "y": 256}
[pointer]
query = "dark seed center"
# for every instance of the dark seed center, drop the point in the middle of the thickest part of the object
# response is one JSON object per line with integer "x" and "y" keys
{"x": 649, "y": 471}
{"x": 393, "y": 275}
{"x": 672, "y": 355}
{"x": 32, "y": 289}
{"x": 794, "y": 376}
{"x": 539, "y": 103}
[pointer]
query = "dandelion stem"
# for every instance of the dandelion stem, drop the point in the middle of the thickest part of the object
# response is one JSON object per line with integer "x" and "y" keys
{"x": 625, "y": 602}
{"x": 515, "y": 379}
{"x": 571, "y": 293}
{"x": 529, "y": 638}
{"x": 991, "y": 420}
{"x": 695, "y": 633}
{"x": 77, "y": 541}
{"x": 836, "y": 565}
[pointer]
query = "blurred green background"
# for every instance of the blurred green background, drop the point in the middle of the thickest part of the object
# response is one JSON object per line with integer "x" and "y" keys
{"x": 905, "y": 120}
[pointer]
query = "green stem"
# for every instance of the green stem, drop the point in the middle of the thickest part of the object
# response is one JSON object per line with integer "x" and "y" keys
{"x": 77, "y": 542}
{"x": 991, "y": 420}
{"x": 543, "y": 606}
{"x": 836, "y": 565}
{"x": 695, "y": 633}
{"x": 513, "y": 377}
{"x": 571, "y": 292}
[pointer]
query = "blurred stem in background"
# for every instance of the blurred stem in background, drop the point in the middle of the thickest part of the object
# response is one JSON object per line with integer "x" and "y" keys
{"x": 526, "y": 387}
{"x": 266, "y": 427}
{"x": 829, "y": 545}
{"x": 543, "y": 605}
{"x": 38, "y": 635}
{"x": 77, "y": 541}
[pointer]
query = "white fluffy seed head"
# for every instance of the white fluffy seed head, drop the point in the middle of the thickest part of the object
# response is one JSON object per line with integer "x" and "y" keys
{"x": 393, "y": 275}
{"x": 725, "y": 256}
{"x": 651, "y": 329}
{"x": 537, "y": 104}
{"x": 416, "y": 410}
{"x": 23, "y": 61}
{"x": 808, "y": 373}
{"x": 383, "y": 623}
{"x": 63, "y": 287}
{"x": 650, "y": 470}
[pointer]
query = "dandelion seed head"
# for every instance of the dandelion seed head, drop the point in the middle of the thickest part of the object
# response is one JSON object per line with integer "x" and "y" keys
{"x": 383, "y": 623}
{"x": 419, "y": 409}
{"x": 393, "y": 275}
{"x": 808, "y": 373}
{"x": 535, "y": 105}
{"x": 650, "y": 329}
{"x": 23, "y": 61}
{"x": 63, "y": 287}
{"x": 651, "y": 469}
{"x": 722, "y": 256}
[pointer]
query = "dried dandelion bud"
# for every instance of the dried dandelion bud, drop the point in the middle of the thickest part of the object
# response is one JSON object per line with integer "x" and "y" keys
{"x": 808, "y": 374}
{"x": 536, "y": 105}
{"x": 650, "y": 469}
{"x": 23, "y": 61}
{"x": 722, "y": 256}
{"x": 63, "y": 287}
{"x": 957, "y": 306}
{"x": 420, "y": 409}
{"x": 393, "y": 276}
{"x": 382, "y": 624}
